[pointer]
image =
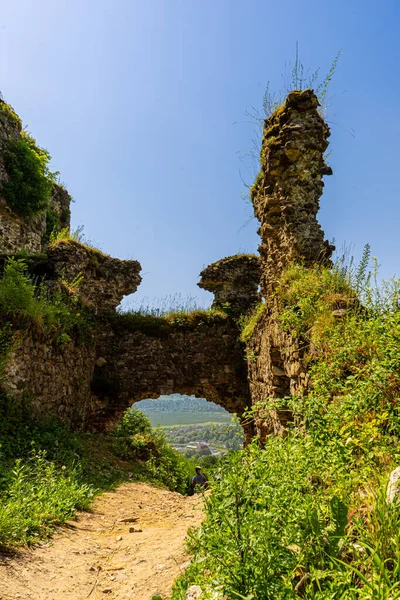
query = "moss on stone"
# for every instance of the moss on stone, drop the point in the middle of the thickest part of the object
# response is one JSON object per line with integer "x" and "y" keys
{"x": 256, "y": 185}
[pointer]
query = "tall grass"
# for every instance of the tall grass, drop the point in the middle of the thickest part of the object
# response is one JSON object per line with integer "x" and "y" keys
{"x": 165, "y": 305}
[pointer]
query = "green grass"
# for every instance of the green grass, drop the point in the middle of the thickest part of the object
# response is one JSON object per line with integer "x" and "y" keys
{"x": 47, "y": 472}
{"x": 162, "y": 326}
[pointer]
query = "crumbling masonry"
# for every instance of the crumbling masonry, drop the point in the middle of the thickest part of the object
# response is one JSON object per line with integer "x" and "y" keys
{"x": 90, "y": 384}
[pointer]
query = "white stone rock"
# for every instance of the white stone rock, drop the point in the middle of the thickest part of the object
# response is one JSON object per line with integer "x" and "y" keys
{"x": 393, "y": 488}
{"x": 193, "y": 593}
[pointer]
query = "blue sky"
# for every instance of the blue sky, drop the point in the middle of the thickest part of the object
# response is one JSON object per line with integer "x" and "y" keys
{"x": 142, "y": 107}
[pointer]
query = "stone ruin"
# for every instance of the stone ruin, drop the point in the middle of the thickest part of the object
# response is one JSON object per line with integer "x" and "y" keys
{"x": 91, "y": 384}
{"x": 234, "y": 281}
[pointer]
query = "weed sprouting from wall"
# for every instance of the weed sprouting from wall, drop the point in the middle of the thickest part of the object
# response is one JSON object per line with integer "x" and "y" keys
{"x": 295, "y": 77}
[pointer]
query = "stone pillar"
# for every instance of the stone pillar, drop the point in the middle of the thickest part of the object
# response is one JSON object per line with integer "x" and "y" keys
{"x": 286, "y": 193}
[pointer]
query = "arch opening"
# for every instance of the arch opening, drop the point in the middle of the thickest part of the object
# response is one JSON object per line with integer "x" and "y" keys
{"x": 195, "y": 427}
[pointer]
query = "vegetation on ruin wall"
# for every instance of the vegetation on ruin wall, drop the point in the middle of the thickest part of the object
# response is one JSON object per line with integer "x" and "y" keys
{"x": 306, "y": 516}
{"x": 160, "y": 326}
{"x": 27, "y": 305}
{"x": 47, "y": 472}
{"x": 75, "y": 237}
{"x": 8, "y": 112}
{"x": 30, "y": 183}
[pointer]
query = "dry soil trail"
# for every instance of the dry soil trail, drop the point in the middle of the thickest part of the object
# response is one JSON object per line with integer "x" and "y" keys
{"x": 97, "y": 556}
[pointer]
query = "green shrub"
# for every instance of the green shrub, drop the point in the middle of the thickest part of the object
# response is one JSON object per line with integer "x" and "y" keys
{"x": 248, "y": 322}
{"x": 134, "y": 438}
{"x": 30, "y": 182}
{"x": 271, "y": 520}
{"x": 41, "y": 479}
{"x": 8, "y": 112}
{"x": 133, "y": 422}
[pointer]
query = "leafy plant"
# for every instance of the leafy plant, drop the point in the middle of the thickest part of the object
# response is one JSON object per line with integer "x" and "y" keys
{"x": 30, "y": 183}
{"x": 307, "y": 516}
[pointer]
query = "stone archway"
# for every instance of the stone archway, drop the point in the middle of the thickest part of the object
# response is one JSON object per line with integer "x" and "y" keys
{"x": 205, "y": 359}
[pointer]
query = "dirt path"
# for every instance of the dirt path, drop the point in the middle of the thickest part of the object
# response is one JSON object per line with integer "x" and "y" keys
{"x": 98, "y": 556}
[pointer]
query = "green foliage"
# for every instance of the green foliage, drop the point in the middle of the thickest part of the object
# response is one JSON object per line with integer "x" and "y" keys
{"x": 135, "y": 439}
{"x": 30, "y": 182}
{"x": 39, "y": 496}
{"x": 25, "y": 303}
{"x": 307, "y": 515}
{"x": 47, "y": 471}
{"x": 248, "y": 322}
{"x": 271, "y": 520}
{"x": 52, "y": 224}
{"x": 41, "y": 481}
{"x": 132, "y": 422}
{"x": 77, "y": 236}
{"x": 8, "y": 112}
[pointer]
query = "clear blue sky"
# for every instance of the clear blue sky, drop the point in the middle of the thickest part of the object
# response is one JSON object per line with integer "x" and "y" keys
{"x": 142, "y": 107}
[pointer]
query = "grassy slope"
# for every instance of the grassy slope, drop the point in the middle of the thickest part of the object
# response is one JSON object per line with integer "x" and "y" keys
{"x": 306, "y": 516}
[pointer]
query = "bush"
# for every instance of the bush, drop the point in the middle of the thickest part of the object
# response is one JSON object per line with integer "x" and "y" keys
{"x": 30, "y": 182}
{"x": 135, "y": 439}
{"x": 132, "y": 423}
{"x": 271, "y": 520}
{"x": 41, "y": 479}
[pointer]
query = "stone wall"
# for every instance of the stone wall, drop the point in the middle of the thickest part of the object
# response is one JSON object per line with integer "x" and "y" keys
{"x": 104, "y": 280}
{"x": 91, "y": 385}
{"x": 234, "y": 281}
{"x": 286, "y": 193}
{"x": 55, "y": 378}
{"x": 204, "y": 358}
